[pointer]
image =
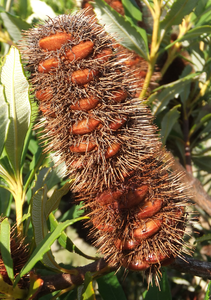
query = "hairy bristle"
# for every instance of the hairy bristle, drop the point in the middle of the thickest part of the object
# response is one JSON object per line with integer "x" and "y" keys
{"x": 94, "y": 124}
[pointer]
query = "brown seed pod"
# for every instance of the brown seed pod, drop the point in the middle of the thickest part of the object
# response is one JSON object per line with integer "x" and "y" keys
{"x": 134, "y": 197}
{"x": 85, "y": 104}
{"x": 107, "y": 140}
{"x": 48, "y": 65}
{"x": 83, "y": 147}
{"x": 85, "y": 126}
{"x": 147, "y": 230}
{"x": 112, "y": 150}
{"x": 82, "y": 77}
{"x": 55, "y": 41}
{"x": 149, "y": 208}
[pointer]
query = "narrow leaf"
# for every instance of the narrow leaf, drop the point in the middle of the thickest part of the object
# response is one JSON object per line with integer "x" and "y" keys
{"x": 7, "y": 177}
{"x": 64, "y": 240}
{"x": 7, "y": 289}
{"x": 44, "y": 247}
{"x": 194, "y": 33}
{"x": 202, "y": 12}
{"x": 208, "y": 294}
{"x": 5, "y": 248}
{"x": 39, "y": 222}
{"x": 164, "y": 292}
{"x": 178, "y": 10}
{"x": 5, "y": 202}
{"x": 14, "y": 25}
{"x": 16, "y": 91}
{"x": 200, "y": 123}
{"x": 88, "y": 291}
{"x": 74, "y": 212}
{"x": 38, "y": 215}
{"x": 123, "y": 31}
{"x": 53, "y": 202}
{"x": 203, "y": 163}
{"x": 170, "y": 90}
{"x": 132, "y": 11}
{"x": 184, "y": 95}
{"x": 168, "y": 122}
{"x": 110, "y": 288}
{"x": 205, "y": 237}
{"x": 4, "y": 118}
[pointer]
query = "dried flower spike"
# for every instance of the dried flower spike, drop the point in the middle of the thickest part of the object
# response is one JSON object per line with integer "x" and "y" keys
{"x": 20, "y": 254}
{"x": 106, "y": 138}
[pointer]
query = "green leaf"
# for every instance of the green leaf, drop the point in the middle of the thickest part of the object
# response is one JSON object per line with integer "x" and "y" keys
{"x": 88, "y": 292}
{"x": 53, "y": 202}
{"x": 194, "y": 33}
{"x": 164, "y": 292}
{"x": 44, "y": 247}
{"x": 64, "y": 240}
{"x": 5, "y": 248}
{"x": 170, "y": 90}
{"x": 39, "y": 222}
{"x": 40, "y": 179}
{"x": 41, "y": 208}
{"x": 184, "y": 95}
{"x": 202, "y": 135}
{"x": 26, "y": 145}
{"x": 203, "y": 163}
{"x": 4, "y": 118}
{"x": 110, "y": 288}
{"x": 208, "y": 294}
{"x": 14, "y": 25}
{"x": 200, "y": 123}
{"x": 168, "y": 122}
{"x": 205, "y": 237}
{"x": 38, "y": 215}
{"x": 132, "y": 11}
{"x": 7, "y": 177}
{"x": 202, "y": 12}
{"x": 42, "y": 10}
{"x": 74, "y": 212}
{"x": 5, "y": 202}
{"x": 178, "y": 10}
{"x": 123, "y": 31}
{"x": 17, "y": 94}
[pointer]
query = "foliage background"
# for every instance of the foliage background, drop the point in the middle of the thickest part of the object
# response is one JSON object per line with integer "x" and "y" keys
{"x": 32, "y": 192}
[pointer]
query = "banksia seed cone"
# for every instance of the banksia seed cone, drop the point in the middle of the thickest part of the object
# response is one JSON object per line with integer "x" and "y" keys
{"x": 107, "y": 140}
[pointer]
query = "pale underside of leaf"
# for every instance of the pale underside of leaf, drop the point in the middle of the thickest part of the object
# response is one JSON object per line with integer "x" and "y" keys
{"x": 4, "y": 118}
{"x": 17, "y": 95}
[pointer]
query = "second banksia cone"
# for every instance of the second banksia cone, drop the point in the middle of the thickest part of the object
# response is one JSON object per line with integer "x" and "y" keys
{"x": 107, "y": 140}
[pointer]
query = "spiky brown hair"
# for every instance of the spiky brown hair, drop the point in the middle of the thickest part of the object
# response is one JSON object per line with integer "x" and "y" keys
{"x": 107, "y": 140}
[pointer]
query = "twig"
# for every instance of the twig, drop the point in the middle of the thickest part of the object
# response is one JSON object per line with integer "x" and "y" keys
{"x": 193, "y": 267}
{"x": 62, "y": 281}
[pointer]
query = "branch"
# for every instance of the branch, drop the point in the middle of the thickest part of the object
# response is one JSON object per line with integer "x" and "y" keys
{"x": 62, "y": 281}
{"x": 193, "y": 267}
{"x": 199, "y": 195}
{"x": 58, "y": 282}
